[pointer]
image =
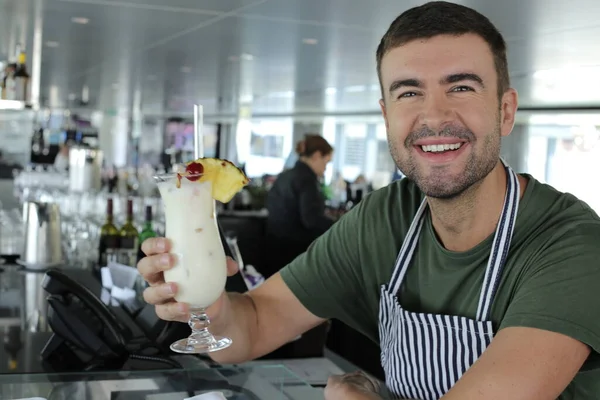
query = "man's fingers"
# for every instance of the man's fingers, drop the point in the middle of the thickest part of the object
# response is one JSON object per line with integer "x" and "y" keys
{"x": 361, "y": 379}
{"x": 160, "y": 294}
{"x": 334, "y": 380}
{"x": 173, "y": 312}
{"x": 357, "y": 379}
{"x": 232, "y": 267}
{"x": 152, "y": 265}
{"x": 156, "y": 246}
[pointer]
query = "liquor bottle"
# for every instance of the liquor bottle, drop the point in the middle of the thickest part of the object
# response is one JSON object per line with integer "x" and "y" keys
{"x": 8, "y": 82}
{"x": 22, "y": 78}
{"x": 109, "y": 239}
{"x": 147, "y": 232}
{"x": 129, "y": 238}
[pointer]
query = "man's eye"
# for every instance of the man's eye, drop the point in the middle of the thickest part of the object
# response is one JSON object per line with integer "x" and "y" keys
{"x": 462, "y": 89}
{"x": 407, "y": 94}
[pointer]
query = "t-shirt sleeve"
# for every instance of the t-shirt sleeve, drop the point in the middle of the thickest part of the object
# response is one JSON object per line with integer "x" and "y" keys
{"x": 560, "y": 292}
{"x": 326, "y": 277}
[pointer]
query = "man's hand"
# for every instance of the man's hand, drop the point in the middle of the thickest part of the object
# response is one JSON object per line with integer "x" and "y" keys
{"x": 353, "y": 386}
{"x": 257, "y": 322}
{"x": 161, "y": 294}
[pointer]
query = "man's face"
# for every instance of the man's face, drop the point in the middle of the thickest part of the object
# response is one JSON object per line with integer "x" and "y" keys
{"x": 443, "y": 116}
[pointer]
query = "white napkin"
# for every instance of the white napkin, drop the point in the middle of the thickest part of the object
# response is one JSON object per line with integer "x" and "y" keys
{"x": 208, "y": 396}
{"x": 119, "y": 279}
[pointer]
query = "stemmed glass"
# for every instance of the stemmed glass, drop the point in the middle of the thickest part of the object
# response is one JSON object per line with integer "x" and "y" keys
{"x": 201, "y": 267}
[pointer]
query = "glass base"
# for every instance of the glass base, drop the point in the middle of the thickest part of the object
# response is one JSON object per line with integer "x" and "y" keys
{"x": 191, "y": 346}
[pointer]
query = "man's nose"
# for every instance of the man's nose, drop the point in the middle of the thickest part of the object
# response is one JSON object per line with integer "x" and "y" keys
{"x": 437, "y": 112}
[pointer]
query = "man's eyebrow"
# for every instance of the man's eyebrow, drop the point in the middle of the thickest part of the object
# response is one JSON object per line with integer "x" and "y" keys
{"x": 400, "y": 83}
{"x": 464, "y": 76}
{"x": 452, "y": 78}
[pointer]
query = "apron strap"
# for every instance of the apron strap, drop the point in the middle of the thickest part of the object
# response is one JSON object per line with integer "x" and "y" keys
{"x": 500, "y": 245}
{"x": 408, "y": 248}
{"x": 498, "y": 254}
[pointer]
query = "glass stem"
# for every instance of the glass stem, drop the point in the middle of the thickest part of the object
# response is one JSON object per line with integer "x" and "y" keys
{"x": 199, "y": 323}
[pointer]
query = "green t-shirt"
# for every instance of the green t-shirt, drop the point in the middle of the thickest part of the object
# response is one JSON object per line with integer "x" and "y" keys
{"x": 551, "y": 279}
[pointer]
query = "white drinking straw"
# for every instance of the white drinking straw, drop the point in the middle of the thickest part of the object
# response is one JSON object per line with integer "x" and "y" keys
{"x": 198, "y": 124}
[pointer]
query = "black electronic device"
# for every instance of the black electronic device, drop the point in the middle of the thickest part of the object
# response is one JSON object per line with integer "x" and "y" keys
{"x": 86, "y": 332}
{"x": 89, "y": 335}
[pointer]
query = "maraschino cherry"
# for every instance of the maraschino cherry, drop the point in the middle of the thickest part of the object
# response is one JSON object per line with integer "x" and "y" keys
{"x": 194, "y": 171}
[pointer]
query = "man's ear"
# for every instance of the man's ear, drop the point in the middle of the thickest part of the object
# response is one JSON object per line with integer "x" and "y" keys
{"x": 384, "y": 113}
{"x": 508, "y": 111}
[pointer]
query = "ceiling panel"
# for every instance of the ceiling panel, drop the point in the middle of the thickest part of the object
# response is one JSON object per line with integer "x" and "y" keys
{"x": 352, "y": 14}
{"x": 105, "y": 51}
{"x": 174, "y": 5}
{"x": 287, "y": 56}
{"x": 126, "y": 28}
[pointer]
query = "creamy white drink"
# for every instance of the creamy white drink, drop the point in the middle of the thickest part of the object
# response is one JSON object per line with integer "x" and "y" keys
{"x": 201, "y": 269}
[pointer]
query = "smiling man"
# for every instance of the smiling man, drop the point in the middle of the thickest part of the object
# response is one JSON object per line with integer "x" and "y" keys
{"x": 477, "y": 282}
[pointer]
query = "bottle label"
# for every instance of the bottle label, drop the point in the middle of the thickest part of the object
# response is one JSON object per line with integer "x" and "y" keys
{"x": 128, "y": 251}
{"x": 109, "y": 246}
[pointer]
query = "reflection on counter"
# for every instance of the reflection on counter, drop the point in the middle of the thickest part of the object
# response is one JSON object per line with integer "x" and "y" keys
{"x": 243, "y": 383}
{"x": 44, "y": 363}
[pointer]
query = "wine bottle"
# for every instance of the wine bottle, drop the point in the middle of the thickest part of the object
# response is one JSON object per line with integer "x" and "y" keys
{"x": 147, "y": 232}
{"x": 129, "y": 238}
{"x": 109, "y": 239}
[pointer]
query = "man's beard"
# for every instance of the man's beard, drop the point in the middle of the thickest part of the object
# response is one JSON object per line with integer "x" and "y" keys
{"x": 438, "y": 184}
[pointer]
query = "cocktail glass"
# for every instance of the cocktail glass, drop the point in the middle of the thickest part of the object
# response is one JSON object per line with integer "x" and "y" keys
{"x": 200, "y": 271}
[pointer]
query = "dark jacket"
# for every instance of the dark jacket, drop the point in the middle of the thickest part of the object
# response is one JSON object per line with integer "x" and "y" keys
{"x": 296, "y": 214}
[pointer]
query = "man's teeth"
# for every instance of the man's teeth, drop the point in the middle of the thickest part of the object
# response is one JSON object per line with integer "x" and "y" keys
{"x": 434, "y": 148}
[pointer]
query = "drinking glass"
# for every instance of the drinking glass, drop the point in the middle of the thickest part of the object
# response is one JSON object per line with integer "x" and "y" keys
{"x": 200, "y": 271}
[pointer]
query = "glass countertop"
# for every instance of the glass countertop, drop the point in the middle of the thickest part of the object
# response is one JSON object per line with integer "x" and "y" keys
{"x": 235, "y": 383}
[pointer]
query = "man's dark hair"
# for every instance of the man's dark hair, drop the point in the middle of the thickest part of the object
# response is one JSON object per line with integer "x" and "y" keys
{"x": 443, "y": 18}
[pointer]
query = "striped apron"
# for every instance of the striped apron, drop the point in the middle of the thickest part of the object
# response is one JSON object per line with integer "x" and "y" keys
{"x": 424, "y": 355}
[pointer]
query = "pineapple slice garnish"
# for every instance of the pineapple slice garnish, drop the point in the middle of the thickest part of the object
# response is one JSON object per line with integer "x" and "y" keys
{"x": 227, "y": 179}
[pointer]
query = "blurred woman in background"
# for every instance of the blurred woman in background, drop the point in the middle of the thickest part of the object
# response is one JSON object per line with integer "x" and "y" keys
{"x": 296, "y": 218}
{"x": 296, "y": 204}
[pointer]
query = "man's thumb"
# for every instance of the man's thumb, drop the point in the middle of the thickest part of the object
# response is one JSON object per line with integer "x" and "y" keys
{"x": 232, "y": 267}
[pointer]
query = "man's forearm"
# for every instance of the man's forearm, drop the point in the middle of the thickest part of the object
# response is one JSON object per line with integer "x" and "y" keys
{"x": 259, "y": 321}
{"x": 238, "y": 321}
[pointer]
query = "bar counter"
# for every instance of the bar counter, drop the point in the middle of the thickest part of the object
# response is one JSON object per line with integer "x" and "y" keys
{"x": 25, "y": 374}
{"x": 242, "y": 383}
